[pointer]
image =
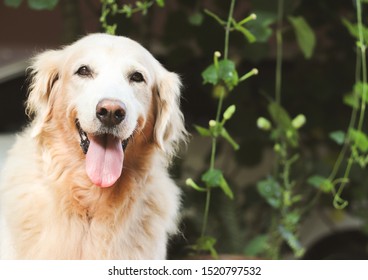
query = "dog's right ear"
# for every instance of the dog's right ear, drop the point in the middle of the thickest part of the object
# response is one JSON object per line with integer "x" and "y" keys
{"x": 44, "y": 72}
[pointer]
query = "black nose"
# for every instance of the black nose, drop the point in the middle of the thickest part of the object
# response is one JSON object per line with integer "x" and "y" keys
{"x": 110, "y": 112}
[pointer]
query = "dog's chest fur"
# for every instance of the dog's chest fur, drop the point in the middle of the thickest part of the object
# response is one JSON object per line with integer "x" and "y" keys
{"x": 74, "y": 220}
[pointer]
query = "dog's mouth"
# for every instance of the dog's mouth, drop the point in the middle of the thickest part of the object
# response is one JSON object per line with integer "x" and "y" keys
{"x": 104, "y": 156}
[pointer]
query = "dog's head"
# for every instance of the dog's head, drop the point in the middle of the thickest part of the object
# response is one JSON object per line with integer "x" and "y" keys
{"x": 108, "y": 89}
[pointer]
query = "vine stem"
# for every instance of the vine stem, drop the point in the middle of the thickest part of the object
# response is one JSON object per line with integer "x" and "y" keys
{"x": 278, "y": 81}
{"x": 227, "y": 31}
{"x": 283, "y": 161}
{"x": 278, "y": 74}
{"x": 338, "y": 202}
{"x": 218, "y": 114}
{"x": 362, "y": 48}
{"x": 278, "y": 71}
{"x": 352, "y": 121}
{"x": 206, "y": 212}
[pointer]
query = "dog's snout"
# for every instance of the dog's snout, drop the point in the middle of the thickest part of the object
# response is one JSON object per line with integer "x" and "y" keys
{"x": 110, "y": 112}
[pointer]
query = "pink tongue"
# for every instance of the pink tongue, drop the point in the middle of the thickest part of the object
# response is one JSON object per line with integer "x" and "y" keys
{"x": 104, "y": 160}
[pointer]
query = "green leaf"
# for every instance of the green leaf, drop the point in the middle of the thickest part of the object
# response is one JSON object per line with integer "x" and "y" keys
{"x": 291, "y": 240}
{"x": 206, "y": 243}
{"x": 271, "y": 191}
{"x": 360, "y": 139}
{"x": 127, "y": 10}
{"x": 286, "y": 194}
{"x": 42, "y": 4}
{"x": 260, "y": 27}
{"x": 354, "y": 30}
{"x": 361, "y": 89}
{"x": 202, "y": 131}
{"x": 210, "y": 75}
{"x": 321, "y": 183}
{"x": 257, "y": 245}
{"x": 196, "y": 19}
{"x": 304, "y": 35}
{"x": 296, "y": 198}
{"x": 359, "y": 92}
{"x": 338, "y": 136}
{"x": 229, "y": 139}
{"x": 160, "y": 3}
{"x": 292, "y": 218}
{"x": 284, "y": 123}
{"x": 13, "y": 3}
{"x": 280, "y": 116}
{"x": 226, "y": 188}
{"x": 351, "y": 100}
{"x": 226, "y": 73}
{"x": 362, "y": 160}
{"x": 214, "y": 178}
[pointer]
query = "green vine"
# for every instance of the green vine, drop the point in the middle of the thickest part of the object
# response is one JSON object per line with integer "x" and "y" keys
{"x": 355, "y": 135}
{"x": 223, "y": 76}
{"x": 111, "y": 8}
{"x": 354, "y": 139}
{"x": 280, "y": 190}
{"x": 280, "y": 15}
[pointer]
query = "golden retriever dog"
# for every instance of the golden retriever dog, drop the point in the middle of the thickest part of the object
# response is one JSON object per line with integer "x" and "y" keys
{"x": 88, "y": 179}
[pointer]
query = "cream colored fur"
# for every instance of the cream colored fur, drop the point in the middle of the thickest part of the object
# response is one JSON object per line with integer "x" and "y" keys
{"x": 49, "y": 209}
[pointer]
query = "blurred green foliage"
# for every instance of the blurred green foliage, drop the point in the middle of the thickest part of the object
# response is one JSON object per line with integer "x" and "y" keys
{"x": 33, "y": 4}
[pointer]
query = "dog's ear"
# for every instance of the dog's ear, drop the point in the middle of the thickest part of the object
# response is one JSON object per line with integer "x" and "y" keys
{"x": 44, "y": 73}
{"x": 169, "y": 128}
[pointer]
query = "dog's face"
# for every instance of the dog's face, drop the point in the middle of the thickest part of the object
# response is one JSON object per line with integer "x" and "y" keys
{"x": 109, "y": 88}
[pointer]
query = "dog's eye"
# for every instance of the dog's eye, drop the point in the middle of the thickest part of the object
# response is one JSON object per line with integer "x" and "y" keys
{"x": 136, "y": 77}
{"x": 84, "y": 71}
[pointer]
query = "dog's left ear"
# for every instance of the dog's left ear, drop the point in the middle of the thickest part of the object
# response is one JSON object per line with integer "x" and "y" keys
{"x": 169, "y": 128}
{"x": 44, "y": 74}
